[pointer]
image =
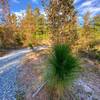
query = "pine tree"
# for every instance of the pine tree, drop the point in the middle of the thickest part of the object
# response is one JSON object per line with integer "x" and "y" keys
{"x": 8, "y": 31}
{"x": 62, "y": 19}
{"x": 41, "y": 26}
{"x": 97, "y": 22}
{"x": 28, "y": 26}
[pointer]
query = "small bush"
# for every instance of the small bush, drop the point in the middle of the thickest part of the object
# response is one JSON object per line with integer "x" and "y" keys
{"x": 62, "y": 68}
{"x": 19, "y": 41}
{"x": 30, "y": 45}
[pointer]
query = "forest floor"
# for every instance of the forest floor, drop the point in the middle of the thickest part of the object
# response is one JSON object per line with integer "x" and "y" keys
{"x": 30, "y": 77}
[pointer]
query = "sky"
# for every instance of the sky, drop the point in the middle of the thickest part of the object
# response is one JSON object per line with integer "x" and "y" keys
{"x": 82, "y": 6}
{"x": 19, "y": 6}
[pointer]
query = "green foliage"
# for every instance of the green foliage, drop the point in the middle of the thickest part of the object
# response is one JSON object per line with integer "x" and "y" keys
{"x": 41, "y": 36}
{"x": 61, "y": 16}
{"x": 27, "y": 26}
{"x": 62, "y": 68}
{"x": 41, "y": 26}
{"x": 19, "y": 32}
{"x": 97, "y": 22}
{"x": 6, "y": 36}
{"x": 98, "y": 56}
{"x": 30, "y": 45}
{"x": 19, "y": 39}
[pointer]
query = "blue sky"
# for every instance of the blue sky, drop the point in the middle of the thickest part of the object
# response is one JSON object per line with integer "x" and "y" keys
{"x": 82, "y": 6}
{"x": 19, "y": 6}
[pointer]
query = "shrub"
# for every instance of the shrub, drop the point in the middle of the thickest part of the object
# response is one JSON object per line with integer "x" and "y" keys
{"x": 62, "y": 69}
{"x": 18, "y": 40}
{"x": 30, "y": 45}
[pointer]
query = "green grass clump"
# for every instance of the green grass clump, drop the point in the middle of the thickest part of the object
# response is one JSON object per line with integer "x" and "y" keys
{"x": 62, "y": 69}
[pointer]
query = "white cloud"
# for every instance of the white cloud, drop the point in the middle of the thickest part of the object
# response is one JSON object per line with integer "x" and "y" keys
{"x": 88, "y": 6}
{"x": 43, "y": 12}
{"x": 76, "y": 1}
{"x": 88, "y": 3}
{"x": 96, "y": 3}
{"x": 95, "y": 9}
{"x": 92, "y": 10}
{"x": 20, "y": 14}
{"x": 16, "y": 1}
{"x": 35, "y": 1}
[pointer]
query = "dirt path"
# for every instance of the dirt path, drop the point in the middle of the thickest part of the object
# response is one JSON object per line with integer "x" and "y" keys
{"x": 9, "y": 69}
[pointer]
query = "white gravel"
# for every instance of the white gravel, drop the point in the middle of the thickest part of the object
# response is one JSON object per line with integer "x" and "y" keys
{"x": 9, "y": 65}
{"x": 8, "y": 71}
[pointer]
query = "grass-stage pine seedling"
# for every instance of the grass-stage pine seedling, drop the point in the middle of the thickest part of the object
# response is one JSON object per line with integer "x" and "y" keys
{"x": 62, "y": 69}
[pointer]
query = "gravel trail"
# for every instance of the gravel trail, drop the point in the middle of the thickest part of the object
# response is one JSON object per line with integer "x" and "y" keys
{"x": 8, "y": 71}
{"x": 9, "y": 65}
